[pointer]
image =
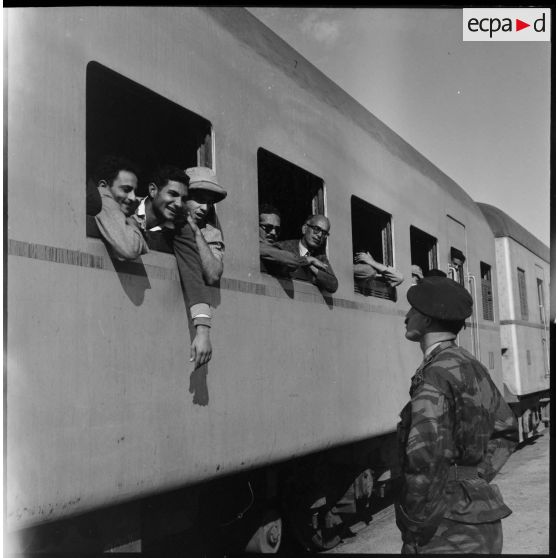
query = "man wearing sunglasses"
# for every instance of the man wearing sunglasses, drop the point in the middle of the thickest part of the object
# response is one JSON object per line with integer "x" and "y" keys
{"x": 274, "y": 259}
{"x": 311, "y": 247}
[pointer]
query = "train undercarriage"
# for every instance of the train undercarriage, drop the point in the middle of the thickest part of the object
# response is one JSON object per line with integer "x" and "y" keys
{"x": 532, "y": 412}
{"x": 307, "y": 503}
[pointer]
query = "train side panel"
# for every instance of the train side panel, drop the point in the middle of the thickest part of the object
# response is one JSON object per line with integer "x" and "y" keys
{"x": 525, "y": 335}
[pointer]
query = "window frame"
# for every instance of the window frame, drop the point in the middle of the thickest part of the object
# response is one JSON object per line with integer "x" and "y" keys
{"x": 486, "y": 292}
{"x": 271, "y": 194}
{"x": 99, "y": 108}
{"x": 522, "y": 287}
{"x": 376, "y": 288}
{"x": 432, "y": 255}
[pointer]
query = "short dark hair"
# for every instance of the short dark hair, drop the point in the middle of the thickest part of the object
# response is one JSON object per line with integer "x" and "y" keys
{"x": 269, "y": 209}
{"x": 166, "y": 173}
{"x": 109, "y": 166}
{"x": 435, "y": 273}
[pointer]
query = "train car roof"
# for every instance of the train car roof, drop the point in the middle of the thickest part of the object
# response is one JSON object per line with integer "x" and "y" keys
{"x": 503, "y": 225}
{"x": 250, "y": 30}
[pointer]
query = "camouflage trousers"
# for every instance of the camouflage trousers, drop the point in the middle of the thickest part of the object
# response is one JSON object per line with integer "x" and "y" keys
{"x": 452, "y": 537}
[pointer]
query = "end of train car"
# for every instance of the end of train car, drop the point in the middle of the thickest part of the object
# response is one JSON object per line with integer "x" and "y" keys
{"x": 523, "y": 275}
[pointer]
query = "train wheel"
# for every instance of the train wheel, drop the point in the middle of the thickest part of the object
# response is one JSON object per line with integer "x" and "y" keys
{"x": 267, "y": 538}
{"x": 316, "y": 532}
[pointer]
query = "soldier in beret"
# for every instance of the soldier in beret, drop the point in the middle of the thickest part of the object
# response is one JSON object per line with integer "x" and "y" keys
{"x": 454, "y": 436}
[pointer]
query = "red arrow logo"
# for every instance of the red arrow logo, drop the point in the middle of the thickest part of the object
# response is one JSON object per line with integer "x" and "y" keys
{"x": 519, "y": 25}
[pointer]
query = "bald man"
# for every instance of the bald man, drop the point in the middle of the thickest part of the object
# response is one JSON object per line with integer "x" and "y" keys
{"x": 312, "y": 247}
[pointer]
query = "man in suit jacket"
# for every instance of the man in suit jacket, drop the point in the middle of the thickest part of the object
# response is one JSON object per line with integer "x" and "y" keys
{"x": 311, "y": 247}
{"x": 274, "y": 259}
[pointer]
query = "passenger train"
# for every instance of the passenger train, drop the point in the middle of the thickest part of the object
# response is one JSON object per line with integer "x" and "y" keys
{"x": 113, "y": 442}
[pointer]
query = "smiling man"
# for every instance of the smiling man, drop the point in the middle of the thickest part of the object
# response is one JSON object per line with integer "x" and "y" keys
{"x": 454, "y": 436}
{"x": 166, "y": 198}
{"x": 161, "y": 216}
{"x": 117, "y": 181}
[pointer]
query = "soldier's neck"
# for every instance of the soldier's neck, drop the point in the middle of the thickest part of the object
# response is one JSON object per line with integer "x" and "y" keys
{"x": 433, "y": 337}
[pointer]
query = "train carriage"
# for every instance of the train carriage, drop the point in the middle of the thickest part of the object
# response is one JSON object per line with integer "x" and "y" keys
{"x": 523, "y": 276}
{"x": 103, "y": 407}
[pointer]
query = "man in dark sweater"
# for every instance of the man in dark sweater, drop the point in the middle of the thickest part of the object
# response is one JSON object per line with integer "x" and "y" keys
{"x": 274, "y": 259}
{"x": 161, "y": 215}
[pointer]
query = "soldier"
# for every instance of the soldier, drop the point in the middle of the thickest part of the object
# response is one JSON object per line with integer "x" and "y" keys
{"x": 454, "y": 436}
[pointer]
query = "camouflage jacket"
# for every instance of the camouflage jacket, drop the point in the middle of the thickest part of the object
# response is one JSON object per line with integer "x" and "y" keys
{"x": 456, "y": 418}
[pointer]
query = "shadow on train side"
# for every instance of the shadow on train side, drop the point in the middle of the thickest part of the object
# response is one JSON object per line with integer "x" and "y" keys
{"x": 135, "y": 282}
{"x": 132, "y": 275}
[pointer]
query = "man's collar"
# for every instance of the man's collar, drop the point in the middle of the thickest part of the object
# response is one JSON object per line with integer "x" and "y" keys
{"x": 140, "y": 211}
{"x": 303, "y": 251}
{"x": 445, "y": 342}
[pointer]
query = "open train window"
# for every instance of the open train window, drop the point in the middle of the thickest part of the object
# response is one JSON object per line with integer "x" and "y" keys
{"x": 371, "y": 232}
{"x": 457, "y": 261}
{"x": 486, "y": 286}
{"x": 295, "y": 192}
{"x": 126, "y": 119}
{"x": 522, "y": 294}
{"x": 423, "y": 250}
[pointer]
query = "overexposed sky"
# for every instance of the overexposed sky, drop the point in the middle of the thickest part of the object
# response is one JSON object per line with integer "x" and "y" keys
{"x": 480, "y": 111}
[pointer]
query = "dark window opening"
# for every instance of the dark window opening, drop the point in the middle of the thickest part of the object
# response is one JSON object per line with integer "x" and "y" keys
{"x": 486, "y": 286}
{"x": 423, "y": 250}
{"x": 457, "y": 260}
{"x": 295, "y": 192}
{"x": 371, "y": 232}
{"x": 540, "y": 293}
{"x": 126, "y": 119}
{"x": 522, "y": 294}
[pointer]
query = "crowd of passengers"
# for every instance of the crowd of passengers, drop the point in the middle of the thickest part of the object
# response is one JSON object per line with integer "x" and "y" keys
{"x": 178, "y": 216}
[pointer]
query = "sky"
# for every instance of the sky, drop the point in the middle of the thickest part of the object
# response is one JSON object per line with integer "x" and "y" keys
{"x": 480, "y": 111}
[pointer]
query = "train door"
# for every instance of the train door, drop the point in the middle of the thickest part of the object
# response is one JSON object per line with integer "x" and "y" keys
{"x": 456, "y": 270}
{"x": 543, "y": 317}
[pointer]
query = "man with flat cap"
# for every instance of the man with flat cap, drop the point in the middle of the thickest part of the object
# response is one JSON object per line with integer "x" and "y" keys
{"x": 455, "y": 434}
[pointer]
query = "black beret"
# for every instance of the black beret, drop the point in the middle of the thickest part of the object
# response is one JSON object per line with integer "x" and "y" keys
{"x": 441, "y": 298}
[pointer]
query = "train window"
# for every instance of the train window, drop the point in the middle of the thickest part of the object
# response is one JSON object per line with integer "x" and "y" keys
{"x": 540, "y": 292}
{"x": 490, "y": 360}
{"x": 486, "y": 286}
{"x": 295, "y": 192}
{"x": 126, "y": 119}
{"x": 371, "y": 228}
{"x": 457, "y": 259}
{"x": 528, "y": 357}
{"x": 423, "y": 250}
{"x": 522, "y": 294}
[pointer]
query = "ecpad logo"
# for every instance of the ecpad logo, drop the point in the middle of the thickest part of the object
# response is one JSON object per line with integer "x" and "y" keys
{"x": 500, "y": 24}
